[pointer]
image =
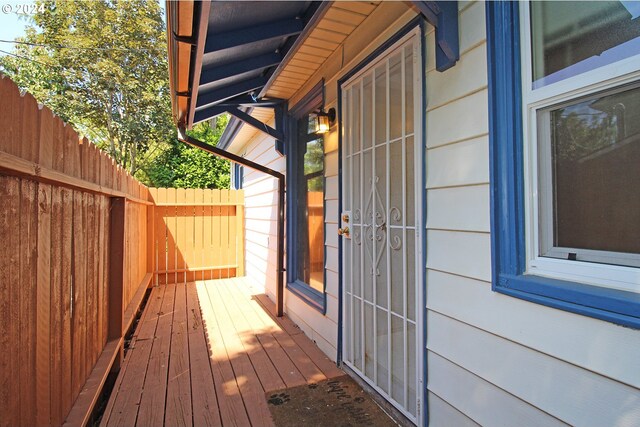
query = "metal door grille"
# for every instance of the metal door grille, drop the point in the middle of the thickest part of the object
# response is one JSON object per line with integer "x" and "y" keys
{"x": 381, "y": 274}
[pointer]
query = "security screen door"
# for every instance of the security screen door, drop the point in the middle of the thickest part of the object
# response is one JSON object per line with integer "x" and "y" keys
{"x": 381, "y": 225}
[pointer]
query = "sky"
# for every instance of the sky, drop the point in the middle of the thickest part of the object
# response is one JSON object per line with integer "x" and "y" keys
{"x": 12, "y": 24}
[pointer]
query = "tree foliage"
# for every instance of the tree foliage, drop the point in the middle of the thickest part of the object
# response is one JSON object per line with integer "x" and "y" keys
{"x": 102, "y": 66}
{"x": 187, "y": 167}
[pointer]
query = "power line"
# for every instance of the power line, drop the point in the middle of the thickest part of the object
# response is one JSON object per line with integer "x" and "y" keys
{"x": 28, "y": 59}
{"x": 125, "y": 49}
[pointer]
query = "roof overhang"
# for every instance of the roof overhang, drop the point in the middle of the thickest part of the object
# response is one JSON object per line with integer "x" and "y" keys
{"x": 227, "y": 56}
{"x": 223, "y": 54}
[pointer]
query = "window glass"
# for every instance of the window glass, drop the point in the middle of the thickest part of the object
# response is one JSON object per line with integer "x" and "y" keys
{"x": 594, "y": 173}
{"x": 310, "y": 207}
{"x": 572, "y": 37}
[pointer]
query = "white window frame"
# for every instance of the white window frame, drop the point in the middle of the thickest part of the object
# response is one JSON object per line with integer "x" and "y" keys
{"x": 607, "y": 77}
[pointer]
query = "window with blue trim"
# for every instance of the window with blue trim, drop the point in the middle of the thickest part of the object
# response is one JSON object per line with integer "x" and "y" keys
{"x": 305, "y": 195}
{"x": 564, "y": 85}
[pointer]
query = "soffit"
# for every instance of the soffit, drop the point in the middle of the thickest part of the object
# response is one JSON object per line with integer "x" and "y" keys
{"x": 337, "y": 24}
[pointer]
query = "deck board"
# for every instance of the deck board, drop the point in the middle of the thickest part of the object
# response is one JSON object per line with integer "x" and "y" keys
{"x": 205, "y": 353}
{"x": 122, "y": 408}
{"x": 206, "y": 411}
{"x": 286, "y": 368}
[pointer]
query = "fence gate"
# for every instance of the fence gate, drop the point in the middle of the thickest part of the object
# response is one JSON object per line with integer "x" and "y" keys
{"x": 198, "y": 234}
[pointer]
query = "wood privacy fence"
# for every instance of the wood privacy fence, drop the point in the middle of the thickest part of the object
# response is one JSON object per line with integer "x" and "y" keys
{"x": 78, "y": 250}
{"x": 198, "y": 234}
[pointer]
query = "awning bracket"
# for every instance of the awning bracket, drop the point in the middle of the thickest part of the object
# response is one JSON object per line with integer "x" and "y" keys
{"x": 252, "y": 121}
{"x": 443, "y": 15}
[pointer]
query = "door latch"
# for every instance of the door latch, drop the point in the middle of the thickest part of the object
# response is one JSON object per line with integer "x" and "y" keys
{"x": 344, "y": 232}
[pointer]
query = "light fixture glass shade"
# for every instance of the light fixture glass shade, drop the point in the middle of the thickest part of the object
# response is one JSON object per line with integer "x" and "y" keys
{"x": 322, "y": 123}
{"x": 312, "y": 125}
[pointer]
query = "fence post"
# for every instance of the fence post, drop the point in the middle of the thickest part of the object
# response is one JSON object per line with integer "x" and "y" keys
{"x": 116, "y": 272}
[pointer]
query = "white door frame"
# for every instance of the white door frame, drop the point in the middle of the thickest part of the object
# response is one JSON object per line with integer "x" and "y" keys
{"x": 419, "y": 265}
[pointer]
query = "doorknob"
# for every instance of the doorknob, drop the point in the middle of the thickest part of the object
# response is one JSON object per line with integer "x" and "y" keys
{"x": 344, "y": 232}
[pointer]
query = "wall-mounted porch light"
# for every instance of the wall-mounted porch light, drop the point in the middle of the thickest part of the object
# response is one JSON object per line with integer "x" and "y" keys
{"x": 323, "y": 121}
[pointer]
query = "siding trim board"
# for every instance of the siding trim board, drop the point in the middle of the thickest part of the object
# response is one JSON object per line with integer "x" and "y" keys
{"x": 417, "y": 22}
{"x": 508, "y": 260}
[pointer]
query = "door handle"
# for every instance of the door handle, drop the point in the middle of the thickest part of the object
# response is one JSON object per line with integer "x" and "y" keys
{"x": 344, "y": 232}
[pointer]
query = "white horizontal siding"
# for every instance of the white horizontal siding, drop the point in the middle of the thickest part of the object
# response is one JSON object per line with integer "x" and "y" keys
{"x": 459, "y": 208}
{"x": 570, "y": 393}
{"x": 463, "y": 253}
{"x": 462, "y": 119}
{"x": 466, "y": 77}
{"x": 601, "y": 347}
{"x": 496, "y": 359}
{"x": 441, "y": 414}
{"x": 466, "y": 156}
{"x": 479, "y": 400}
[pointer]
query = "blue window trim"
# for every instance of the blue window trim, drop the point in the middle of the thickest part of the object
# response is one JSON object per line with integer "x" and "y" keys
{"x": 508, "y": 250}
{"x": 314, "y": 298}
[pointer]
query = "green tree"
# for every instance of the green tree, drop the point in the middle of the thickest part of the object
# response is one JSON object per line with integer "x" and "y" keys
{"x": 187, "y": 167}
{"x": 101, "y": 66}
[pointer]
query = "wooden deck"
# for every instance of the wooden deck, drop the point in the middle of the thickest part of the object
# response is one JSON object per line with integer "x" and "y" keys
{"x": 206, "y": 353}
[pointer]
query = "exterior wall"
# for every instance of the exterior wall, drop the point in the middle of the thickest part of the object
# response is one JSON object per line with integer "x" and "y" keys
{"x": 261, "y": 190}
{"x": 261, "y": 199}
{"x": 493, "y": 359}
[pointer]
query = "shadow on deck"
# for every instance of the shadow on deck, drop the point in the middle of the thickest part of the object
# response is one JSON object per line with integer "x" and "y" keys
{"x": 205, "y": 353}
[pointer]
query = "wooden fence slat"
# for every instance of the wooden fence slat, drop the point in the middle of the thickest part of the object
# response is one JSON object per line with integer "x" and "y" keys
{"x": 9, "y": 287}
{"x": 10, "y": 117}
{"x": 215, "y": 251}
{"x": 67, "y": 295}
{"x": 56, "y": 329}
{"x": 45, "y": 141}
{"x": 105, "y": 254}
{"x": 239, "y": 233}
{"x": 92, "y": 292}
{"x": 30, "y": 132}
{"x": 14, "y": 306}
{"x": 58, "y": 146}
{"x": 232, "y": 255}
{"x": 161, "y": 227}
{"x": 43, "y": 306}
{"x": 192, "y": 233}
{"x": 28, "y": 302}
{"x": 171, "y": 235}
{"x": 200, "y": 231}
{"x": 71, "y": 153}
{"x": 77, "y": 333}
{"x": 181, "y": 234}
{"x": 224, "y": 231}
{"x": 150, "y": 218}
